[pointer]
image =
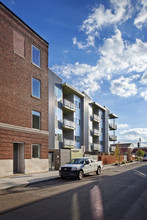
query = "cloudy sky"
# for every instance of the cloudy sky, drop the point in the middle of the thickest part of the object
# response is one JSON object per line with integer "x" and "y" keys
{"x": 100, "y": 47}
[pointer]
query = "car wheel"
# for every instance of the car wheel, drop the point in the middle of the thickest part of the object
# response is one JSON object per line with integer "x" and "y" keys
{"x": 98, "y": 172}
{"x": 80, "y": 175}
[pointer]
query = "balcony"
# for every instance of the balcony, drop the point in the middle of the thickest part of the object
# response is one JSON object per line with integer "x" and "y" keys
{"x": 68, "y": 125}
{"x": 113, "y": 138}
{"x": 96, "y": 147}
{"x": 96, "y": 132}
{"x": 96, "y": 118}
{"x": 68, "y": 143}
{"x": 68, "y": 106}
{"x": 112, "y": 126}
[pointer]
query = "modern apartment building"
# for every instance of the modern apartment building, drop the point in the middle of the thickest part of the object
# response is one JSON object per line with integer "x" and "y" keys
{"x": 23, "y": 97}
{"x": 76, "y": 122}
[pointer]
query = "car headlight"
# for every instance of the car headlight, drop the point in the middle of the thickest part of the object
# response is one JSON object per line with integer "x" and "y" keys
{"x": 74, "y": 168}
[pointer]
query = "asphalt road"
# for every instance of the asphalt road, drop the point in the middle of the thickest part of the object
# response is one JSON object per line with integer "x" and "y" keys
{"x": 118, "y": 194}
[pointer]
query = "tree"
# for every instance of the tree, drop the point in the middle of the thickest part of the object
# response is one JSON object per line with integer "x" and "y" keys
{"x": 140, "y": 153}
{"x": 117, "y": 153}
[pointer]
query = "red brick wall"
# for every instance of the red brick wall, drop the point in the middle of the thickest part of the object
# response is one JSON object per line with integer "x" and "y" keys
{"x": 8, "y": 137}
{"x": 16, "y": 101}
{"x": 109, "y": 159}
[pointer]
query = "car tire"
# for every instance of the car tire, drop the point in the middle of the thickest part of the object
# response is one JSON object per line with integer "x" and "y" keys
{"x": 80, "y": 175}
{"x": 98, "y": 172}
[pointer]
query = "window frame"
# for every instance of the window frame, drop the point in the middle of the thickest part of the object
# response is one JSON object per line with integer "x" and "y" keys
{"x": 32, "y": 88}
{"x": 39, "y": 56}
{"x": 39, "y": 120}
{"x": 39, "y": 151}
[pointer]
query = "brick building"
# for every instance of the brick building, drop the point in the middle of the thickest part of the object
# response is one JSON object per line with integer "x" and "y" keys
{"x": 23, "y": 97}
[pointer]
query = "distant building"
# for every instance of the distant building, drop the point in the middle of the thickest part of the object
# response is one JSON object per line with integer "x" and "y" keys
{"x": 124, "y": 147}
{"x": 23, "y": 97}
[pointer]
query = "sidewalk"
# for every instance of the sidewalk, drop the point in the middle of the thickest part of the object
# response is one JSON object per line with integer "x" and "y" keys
{"x": 24, "y": 179}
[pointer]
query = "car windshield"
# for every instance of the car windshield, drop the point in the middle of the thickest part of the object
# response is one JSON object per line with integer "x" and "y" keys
{"x": 76, "y": 161}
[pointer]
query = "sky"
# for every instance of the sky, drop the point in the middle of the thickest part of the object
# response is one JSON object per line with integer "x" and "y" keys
{"x": 100, "y": 47}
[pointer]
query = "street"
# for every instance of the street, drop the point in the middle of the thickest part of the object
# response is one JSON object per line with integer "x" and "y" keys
{"x": 118, "y": 194}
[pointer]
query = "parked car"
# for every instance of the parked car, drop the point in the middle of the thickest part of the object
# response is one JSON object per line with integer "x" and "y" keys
{"x": 144, "y": 158}
{"x": 78, "y": 167}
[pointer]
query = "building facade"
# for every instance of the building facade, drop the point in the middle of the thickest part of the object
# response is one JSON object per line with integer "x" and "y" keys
{"x": 23, "y": 97}
{"x": 76, "y": 122}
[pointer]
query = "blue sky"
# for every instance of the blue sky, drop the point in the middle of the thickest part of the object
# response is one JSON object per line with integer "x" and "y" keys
{"x": 100, "y": 47}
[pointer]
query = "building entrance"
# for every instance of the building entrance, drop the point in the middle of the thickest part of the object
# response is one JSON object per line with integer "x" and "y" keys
{"x": 18, "y": 158}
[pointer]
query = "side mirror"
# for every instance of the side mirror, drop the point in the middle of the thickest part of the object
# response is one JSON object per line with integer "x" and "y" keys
{"x": 86, "y": 161}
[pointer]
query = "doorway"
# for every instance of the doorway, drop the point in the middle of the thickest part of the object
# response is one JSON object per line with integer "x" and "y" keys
{"x": 18, "y": 158}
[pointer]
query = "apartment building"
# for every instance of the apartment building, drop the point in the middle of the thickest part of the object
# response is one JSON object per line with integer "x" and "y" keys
{"x": 76, "y": 123}
{"x": 23, "y": 97}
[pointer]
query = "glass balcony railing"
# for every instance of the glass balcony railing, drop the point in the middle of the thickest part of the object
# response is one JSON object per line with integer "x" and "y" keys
{"x": 112, "y": 126}
{"x": 68, "y": 124}
{"x": 68, "y": 143}
{"x": 96, "y": 132}
{"x": 96, "y": 147}
{"x": 113, "y": 138}
{"x": 96, "y": 118}
{"x": 69, "y": 105}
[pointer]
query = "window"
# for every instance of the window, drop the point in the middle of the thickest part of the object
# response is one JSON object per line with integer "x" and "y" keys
{"x": 77, "y": 104}
{"x": 36, "y": 88}
{"x": 36, "y": 119}
{"x": 77, "y": 138}
{"x": 58, "y": 114}
{"x": 77, "y": 121}
{"x": 58, "y": 94}
{"x": 35, "y": 56}
{"x": 36, "y": 151}
{"x": 58, "y": 133}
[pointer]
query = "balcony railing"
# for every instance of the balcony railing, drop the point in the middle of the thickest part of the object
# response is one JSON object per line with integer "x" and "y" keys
{"x": 68, "y": 143}
{"x": 68, "y": 124}
{"x": 113, "y": 138}
{"x": 96, "y": 147}
{"x": 112, "y": 126}
{"x": 69, "y": 105}
{"x": 96, "y": 132}
{"x": 96, "y": 118}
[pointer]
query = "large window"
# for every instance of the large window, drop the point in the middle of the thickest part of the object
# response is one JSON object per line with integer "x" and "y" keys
{"x": 36, "y": 151}
{"x": 36, "y": 119}
{"x": 35, "y": 56}
{"x": 58, "y": 133}
{"x": 58, "y": 94}
{"x": 36, "y": 88}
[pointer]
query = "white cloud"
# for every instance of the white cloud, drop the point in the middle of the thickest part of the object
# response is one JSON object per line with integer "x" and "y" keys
{"x": 133, "y": 135}
{"x": 122, "y": 126}
{"x": 90, "y": 42}
{"x": 123, "y": 87}
{"x": 144, "y": 95}
{"x": 121, "y": 11}
{"x": 142, "y": 16}
{"x": 117, "y": 58}
{"x": 144, "y": 78}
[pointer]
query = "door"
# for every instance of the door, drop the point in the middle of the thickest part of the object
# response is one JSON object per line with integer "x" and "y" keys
{"x": 15, "y": 158}
{"x": 18, "y": 158}
{"x": 51, "y": 161}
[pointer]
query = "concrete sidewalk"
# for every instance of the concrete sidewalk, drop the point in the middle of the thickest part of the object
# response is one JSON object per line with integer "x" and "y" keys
{"x": 24, "y": 179}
